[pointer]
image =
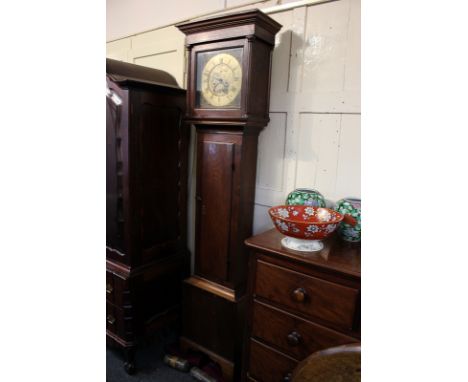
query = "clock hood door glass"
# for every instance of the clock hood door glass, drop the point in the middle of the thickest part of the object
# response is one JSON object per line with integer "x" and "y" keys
{"x": 219, "y": 79}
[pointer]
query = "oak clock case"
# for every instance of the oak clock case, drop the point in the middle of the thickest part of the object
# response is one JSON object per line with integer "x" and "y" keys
{"x": 229, "y": 67}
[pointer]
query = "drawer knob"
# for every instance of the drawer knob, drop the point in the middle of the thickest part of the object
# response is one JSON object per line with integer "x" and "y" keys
{"x": 287, "y": 378}
{"x": 294, "y": 338}
{"x": 110, "y": 319}
{"x": 299, "y": 294}
{"x": 109, "y": 288}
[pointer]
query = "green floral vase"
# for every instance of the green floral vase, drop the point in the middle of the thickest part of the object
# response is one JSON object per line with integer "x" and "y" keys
{"x": 305, "y": 197}
{"x": 350, "y": 227}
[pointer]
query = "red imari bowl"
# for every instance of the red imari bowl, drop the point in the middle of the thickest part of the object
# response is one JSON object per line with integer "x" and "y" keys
{"x": 304, "y": 222}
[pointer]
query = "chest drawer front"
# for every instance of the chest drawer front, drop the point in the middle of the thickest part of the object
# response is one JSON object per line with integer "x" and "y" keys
{"x": 292, "y": 335}
{"x": 267, "y": 365}
{"x": 306, "y": 294}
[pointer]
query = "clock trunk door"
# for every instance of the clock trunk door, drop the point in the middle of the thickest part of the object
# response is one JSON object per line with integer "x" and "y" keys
{"x": 217, "y": 156}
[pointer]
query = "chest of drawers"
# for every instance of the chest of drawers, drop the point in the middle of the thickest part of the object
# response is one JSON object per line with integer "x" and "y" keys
{"x": 298, "y": 304}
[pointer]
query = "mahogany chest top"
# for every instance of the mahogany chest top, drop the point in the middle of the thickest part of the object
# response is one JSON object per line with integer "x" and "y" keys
{"x": 337, "y": 256}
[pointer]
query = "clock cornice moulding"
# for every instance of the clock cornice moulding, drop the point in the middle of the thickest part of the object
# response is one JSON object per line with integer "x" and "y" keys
{"x": 256, "y": 21}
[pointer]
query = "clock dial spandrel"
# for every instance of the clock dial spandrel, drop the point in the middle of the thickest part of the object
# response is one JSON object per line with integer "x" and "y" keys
{"x": 219, "y": 79}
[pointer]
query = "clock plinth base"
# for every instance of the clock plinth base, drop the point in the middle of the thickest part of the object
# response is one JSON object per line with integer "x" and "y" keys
{"x": 213, "y": 322}
{"x": 227, "y": 366}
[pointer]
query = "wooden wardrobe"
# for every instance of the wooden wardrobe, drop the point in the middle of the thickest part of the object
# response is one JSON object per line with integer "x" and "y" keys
{"x": 146, "y": 193}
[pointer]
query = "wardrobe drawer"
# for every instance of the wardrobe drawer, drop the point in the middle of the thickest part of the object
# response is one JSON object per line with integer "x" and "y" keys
{"x": 292, "y": 335}
{"x": 268, "y": 365}
{"x": 116, "y": 290}
{"x": 306, "y": 294}
{"x": 118, "y": 322}
{"x": 110, "y": 287}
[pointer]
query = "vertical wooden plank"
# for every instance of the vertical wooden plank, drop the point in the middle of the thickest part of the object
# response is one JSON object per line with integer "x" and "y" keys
{"x": 270, "y": 159}
{"x": 125, "y": 18}
{"x": 293, "y": 97}
{"x": 273, "y": 177}
{"x": 167, "y": 61}
{"x": 262, "y": 221}
{"x": 297, "y": 49}
{"x": 318, "y": 152}
{"x": 325, "y": 46}
{"x": 353, "y": 50}
{"x": 348, "y": 176}
{"x": 162, "y": 49}
{"x": 280, "y": 59}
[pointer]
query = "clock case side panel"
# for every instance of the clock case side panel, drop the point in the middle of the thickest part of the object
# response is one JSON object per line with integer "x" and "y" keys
{"x": 159, "y": 146}
{"x": 216, "y": 114}
{"x": 258, "y": 102}
{"x": 245, "y": 210}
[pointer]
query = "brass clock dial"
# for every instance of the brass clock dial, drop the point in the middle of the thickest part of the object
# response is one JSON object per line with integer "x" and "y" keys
{"x": 221, "y": 80}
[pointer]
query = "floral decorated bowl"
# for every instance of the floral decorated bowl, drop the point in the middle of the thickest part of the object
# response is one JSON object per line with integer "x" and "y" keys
{"x": 304, "y": 226}
{"x": 350, "y": 228}
{"x": 305, "y": 197}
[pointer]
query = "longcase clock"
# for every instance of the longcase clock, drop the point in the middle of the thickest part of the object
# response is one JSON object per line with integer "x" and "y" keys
{"x": 229, "y": 67}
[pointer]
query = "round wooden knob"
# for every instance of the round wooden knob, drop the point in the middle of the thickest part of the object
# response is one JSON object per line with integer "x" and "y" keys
{"x": 109, "y": 288}
{"x": 294, "y": 338}
{"x": 287, "y": 377}
{"x": 299, "y": 294}
{"x": 110, "y": 319}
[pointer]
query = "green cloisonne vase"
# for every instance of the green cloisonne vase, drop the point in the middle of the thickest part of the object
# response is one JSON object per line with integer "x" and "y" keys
{"x": 305, "y": 197}
{"x": 350, "y": 227}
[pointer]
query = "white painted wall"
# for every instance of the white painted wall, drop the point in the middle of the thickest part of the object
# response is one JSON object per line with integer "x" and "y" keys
{"x": 129, "y": 17}
{"x": 313, "y": 139}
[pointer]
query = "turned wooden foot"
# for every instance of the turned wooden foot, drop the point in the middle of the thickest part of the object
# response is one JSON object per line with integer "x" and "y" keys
{"x": 129, "y": 364}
